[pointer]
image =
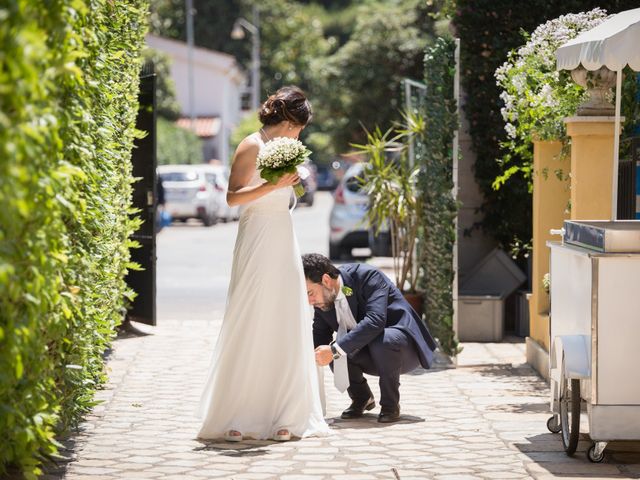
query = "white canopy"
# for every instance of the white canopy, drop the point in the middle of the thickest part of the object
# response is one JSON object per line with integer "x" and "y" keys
{"x": 614, "y": 44}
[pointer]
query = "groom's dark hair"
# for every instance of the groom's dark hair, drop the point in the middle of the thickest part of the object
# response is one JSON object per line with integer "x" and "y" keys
{"x": 316, "y": 265}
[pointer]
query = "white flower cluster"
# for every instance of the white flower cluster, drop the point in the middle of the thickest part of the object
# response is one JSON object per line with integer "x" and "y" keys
{"x": 281, "y": 152}
{"x": 530, "y": 81}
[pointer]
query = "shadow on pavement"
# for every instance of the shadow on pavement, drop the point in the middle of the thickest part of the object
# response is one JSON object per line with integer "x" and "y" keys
{"x": 370, "y": 420}
{"x": 546, "y": 451}
{"x": 247, "y": 448}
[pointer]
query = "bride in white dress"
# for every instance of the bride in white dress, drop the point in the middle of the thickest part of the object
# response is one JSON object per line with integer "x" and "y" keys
{"x": 263, "y": 378}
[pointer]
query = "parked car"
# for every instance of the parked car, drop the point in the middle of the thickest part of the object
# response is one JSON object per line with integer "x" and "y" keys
{"x": 349, "y": 227}
{"x": 225, "y": 213}
{"x": 327, "y": 179}
{"x": 348, "y": 222}
{"x": 191, "y": 192}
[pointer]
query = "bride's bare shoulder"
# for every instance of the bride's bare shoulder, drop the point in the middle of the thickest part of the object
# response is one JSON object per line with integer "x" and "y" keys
{"x": 247, "y": 149}
{"x": 246, "y": 153}
{"x": 250, "y": 143}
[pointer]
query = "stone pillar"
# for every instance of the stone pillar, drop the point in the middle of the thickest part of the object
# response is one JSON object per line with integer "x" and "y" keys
{"x": 551, "y": 196}
{"x": 591, "y": 167}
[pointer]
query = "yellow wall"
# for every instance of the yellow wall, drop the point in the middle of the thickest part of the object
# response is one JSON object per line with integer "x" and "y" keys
{"x": 591, "y": 170}
{"x": 550, "y": 208}
{"x": 591, "y": 167}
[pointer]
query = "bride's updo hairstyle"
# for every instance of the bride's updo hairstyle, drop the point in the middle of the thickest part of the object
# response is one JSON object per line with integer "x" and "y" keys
{"x": 288, "y": 104}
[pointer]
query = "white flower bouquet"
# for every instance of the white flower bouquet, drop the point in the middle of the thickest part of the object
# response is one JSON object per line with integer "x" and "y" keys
{"x": 280, "y": 156}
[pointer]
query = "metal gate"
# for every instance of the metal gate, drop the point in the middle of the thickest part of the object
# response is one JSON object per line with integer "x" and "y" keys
{"x": 143, "y": 159}
{"x": 627, "y": 180}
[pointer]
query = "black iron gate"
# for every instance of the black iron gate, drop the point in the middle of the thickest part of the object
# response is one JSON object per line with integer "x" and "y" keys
{"x": 627, "y": 180}
{"x": 143, "y": 159}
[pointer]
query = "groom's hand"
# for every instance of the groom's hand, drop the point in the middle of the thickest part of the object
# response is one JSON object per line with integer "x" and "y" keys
{"x": 323, "y": 355}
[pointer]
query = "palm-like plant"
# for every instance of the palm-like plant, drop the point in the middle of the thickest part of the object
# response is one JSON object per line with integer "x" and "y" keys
{"x": 391, "y": 184}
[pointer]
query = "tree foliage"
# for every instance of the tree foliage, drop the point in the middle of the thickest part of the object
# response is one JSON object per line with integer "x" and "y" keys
{"x": 348, "y": 56}
{"x": 212, "y": 22}
{"x": 291, "y": 42}
{"x": 359, "y": 85}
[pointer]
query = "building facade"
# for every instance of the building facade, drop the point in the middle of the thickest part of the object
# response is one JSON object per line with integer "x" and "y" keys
{"x": 218, "y": 84}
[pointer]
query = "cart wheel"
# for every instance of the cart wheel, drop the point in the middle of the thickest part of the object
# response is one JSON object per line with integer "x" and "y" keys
{"x": 570, "y": 414}
{"x": 591, "y": 455}
{"x": 553, "y": 425}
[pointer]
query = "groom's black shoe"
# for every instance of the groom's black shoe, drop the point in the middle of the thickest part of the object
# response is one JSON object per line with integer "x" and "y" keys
{"x": 357, "y": 408}
{"x": 389, "y": 415}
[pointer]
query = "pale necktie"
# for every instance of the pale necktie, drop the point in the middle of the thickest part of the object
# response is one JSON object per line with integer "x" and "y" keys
{"x": 340, "y": 369}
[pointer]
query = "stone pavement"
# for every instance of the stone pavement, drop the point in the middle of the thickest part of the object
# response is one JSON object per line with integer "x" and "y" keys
{"x": 484, "y": 419}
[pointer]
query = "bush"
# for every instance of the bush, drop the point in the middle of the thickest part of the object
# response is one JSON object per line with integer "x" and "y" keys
{"x": 68, "y": 102}
{"x": 177, "y": 145}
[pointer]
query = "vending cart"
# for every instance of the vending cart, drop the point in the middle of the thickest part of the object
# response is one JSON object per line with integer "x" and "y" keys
{"x": 595, "y": 333}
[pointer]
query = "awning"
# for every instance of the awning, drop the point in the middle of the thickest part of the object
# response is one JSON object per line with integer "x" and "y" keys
{"x": 614, "y": 44}
{"x": 203, "y": 127}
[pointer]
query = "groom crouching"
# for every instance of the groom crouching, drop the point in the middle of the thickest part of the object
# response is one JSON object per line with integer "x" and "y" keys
{"x": 378, "y": 333}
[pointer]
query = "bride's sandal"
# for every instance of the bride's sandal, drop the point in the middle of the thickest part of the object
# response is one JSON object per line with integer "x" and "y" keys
{"x": 233, "y": 436}
{"x": 282, "y": 435}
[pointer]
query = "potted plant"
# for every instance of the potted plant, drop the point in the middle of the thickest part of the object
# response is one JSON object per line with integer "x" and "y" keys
{"x": 391, "y": 184}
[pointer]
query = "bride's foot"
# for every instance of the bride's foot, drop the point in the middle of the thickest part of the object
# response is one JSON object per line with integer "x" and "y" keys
{"x": 233, "y": 436}
{"x": 282, "y": 435}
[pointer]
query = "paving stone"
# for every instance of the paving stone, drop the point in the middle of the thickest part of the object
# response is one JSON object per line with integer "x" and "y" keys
{"x": 486, "y": 421}
{"x": 353, "y": 477}
{"x": 302, "y": 477}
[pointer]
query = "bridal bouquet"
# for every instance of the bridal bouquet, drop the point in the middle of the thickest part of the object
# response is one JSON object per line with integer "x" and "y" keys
{"x": 279, "y": 156}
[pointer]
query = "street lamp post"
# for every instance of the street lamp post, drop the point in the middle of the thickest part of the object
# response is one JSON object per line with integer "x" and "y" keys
{"x": 237, "y": 33}
{"x": 189, "y": 12}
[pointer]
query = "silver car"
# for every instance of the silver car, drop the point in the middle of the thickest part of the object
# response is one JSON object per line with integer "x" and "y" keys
{"x": 349, "y": 226}
{"x": 190, "y": 192}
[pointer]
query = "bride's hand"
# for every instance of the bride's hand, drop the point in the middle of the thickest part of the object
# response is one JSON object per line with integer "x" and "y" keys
{"x": 287, "y": 180}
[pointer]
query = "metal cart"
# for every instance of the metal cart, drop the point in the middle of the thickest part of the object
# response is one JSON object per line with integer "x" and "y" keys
{"x": 595, "y": 333}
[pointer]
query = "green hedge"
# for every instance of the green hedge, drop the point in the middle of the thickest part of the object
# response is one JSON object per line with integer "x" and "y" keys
{"x": 434, "y": 153}
{"x": 68, "y": 102}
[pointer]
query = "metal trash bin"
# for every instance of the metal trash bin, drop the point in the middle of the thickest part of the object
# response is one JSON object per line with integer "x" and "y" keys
{"x": 482, "y": 295}
{"x": 480, "y": 318}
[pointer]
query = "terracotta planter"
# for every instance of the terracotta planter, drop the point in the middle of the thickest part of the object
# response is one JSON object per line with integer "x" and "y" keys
{"x": 416, "y": 300}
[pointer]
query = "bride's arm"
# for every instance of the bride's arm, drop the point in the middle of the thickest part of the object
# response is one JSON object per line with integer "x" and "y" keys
{"x": 242, "y": 169}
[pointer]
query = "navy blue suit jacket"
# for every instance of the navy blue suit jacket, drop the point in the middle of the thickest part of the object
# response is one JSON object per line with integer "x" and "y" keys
{"x": 376, "y": 304}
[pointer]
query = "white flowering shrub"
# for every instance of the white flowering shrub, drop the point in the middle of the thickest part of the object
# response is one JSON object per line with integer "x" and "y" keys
{"x": 536, "y": 96}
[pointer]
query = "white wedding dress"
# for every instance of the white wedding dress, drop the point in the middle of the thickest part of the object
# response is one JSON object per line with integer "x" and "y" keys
{"x": 263, "y": 376}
